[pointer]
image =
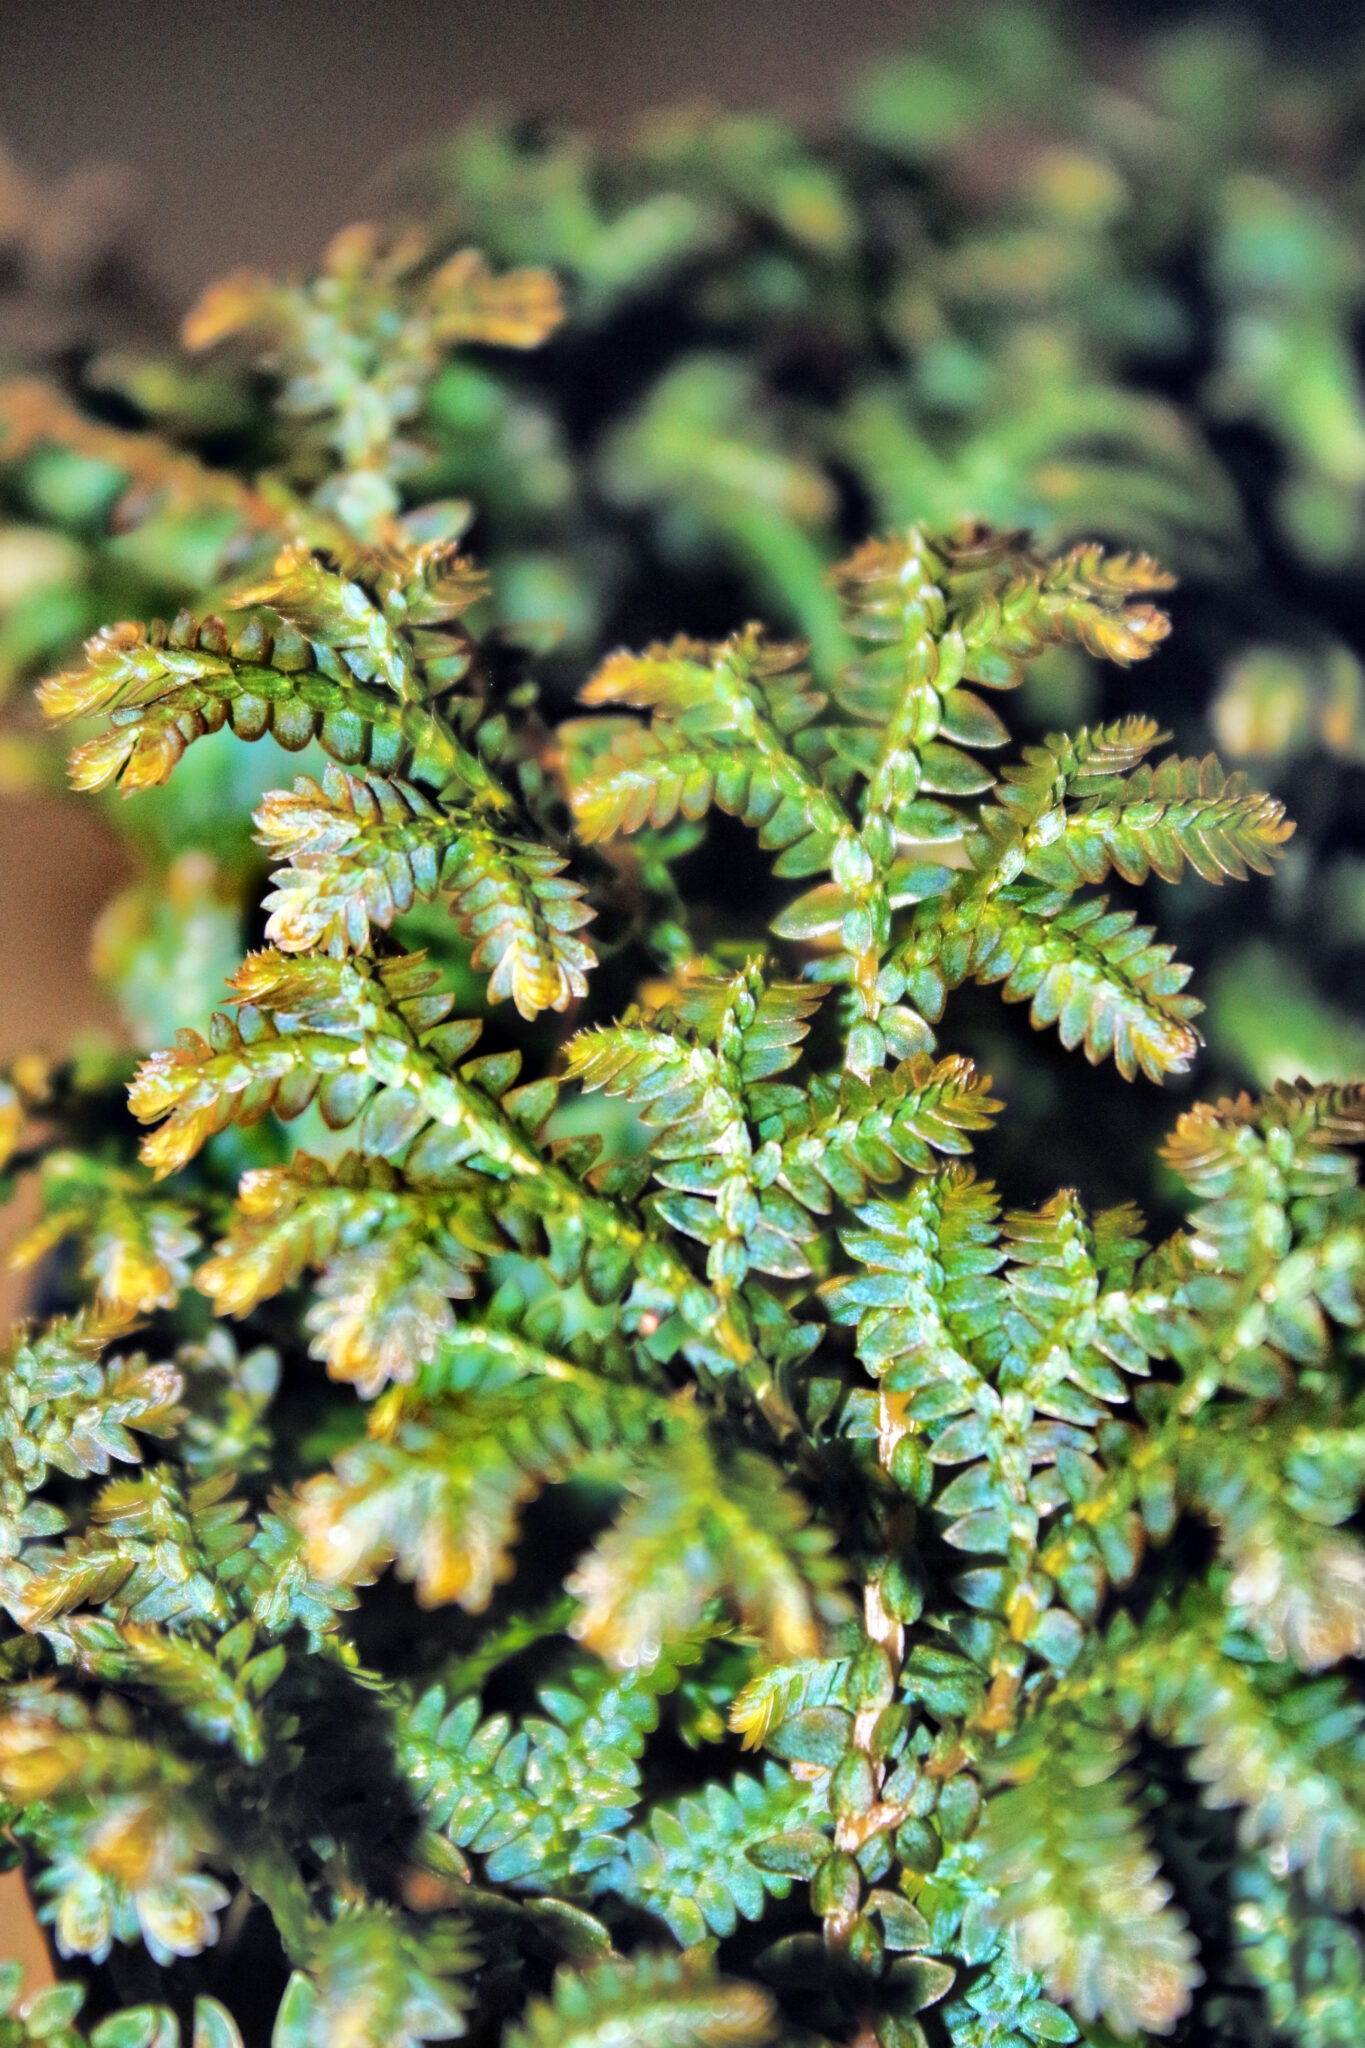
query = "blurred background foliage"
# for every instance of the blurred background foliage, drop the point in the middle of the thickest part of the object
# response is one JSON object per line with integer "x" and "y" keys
{"x": 1099, "y": 286}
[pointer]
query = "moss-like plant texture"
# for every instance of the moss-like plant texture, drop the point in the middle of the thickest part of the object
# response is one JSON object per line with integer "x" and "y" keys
{"x": 544, "y": 1495}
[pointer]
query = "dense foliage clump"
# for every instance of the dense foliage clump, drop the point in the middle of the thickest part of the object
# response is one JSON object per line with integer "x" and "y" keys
{"x": 543, "y": 1490}
{"x": 1040, "y": 275}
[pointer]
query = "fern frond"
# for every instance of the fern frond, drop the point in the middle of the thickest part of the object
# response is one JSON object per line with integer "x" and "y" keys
{"x": 1214, "y": 1142}
{"x": 65, "y": 1411}
{"x": 137, "y": 1252}
{"x": 122, "y": 1838}
{"x": 700, "y": 1093}
{"x": 935, "y": 613}
{"x": 1297, "y": 1585}
{"x": 389, "y": 1260}
{"x": 1150, "y": 820}
{"x": 723, "y": 717}
{"x": 698, "y": 1531}
{"x": 938, "y": 611}
{"x": 359, "y": 345}
{"x": 1094, "y": 972}
{"x": 361, "y": 851}
{"x": 1001, "y": 601}
{"x": 678, "y": 1999}
{"x": 376, "y": 1981}
{"x": 683, "y": 1090}
{"x": 155, "y": 1553}
{"x": 441, "y": 1495}
{"x": 166, "y": 688}
{"x": 1308, "y": 1964}
{"x": 1078, "y": 1885}
{"x": 215, "y": 1700}
{"x": 541, "y": 1802}
{"x": 698, "y": 1862}
{"x": 757, "y": 1023}
{"x": 293, "y": 1040}
{"x": 370, "y": 1042}
{"x": 449, "y": 1527}
{"x": 279, "y": 1589}
{"x": 1009, "y": 1377}
{"x": 1228, "y": 1288}
{"x": 513, "y": 900}
{"x": 351, "y": 653}
{"x": 1289, "y": 1756}
{"x": 929, "y": 1263}
{"x": 862, "y": 1131}
{"x": 355, "y": 852}
{"x": 378, "y": 611}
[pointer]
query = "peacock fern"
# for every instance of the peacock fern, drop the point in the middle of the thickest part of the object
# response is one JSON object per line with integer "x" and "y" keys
{"x": 666, "y": 1343}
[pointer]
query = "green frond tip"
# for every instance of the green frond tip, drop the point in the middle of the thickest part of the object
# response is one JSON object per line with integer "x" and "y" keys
{"x": 371, "y": 1041}
{"x": 353, "y": 651}
{"x": 869, "y": 783}
{"x": 360, "y": 850}
{"x": 699, "y": 1529}
{"x": 1213, "y": 1143}
{"x": 723, "y": 720}
{"x": 357, "y": 348}
{"x": 462, "y": 298}
{"x": 1135, "y": 818}
{"x": 650, "y": 1999}
{"x": 1078, "y": 1884}
{"x": 378, "y": 1982}
{"x": 1003, "y": 597}
{"x": 1097, "y": 974}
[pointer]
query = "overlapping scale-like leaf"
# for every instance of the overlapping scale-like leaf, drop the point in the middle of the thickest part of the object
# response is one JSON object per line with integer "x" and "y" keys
{"x": 333, "y": 658}
{"x": 698, "y": 1530}
{"x": 635, "y": 2004}
{"x": 359, "y": 851}
{"x": 725, "y": 729}
{"x": 1078, "y": 1883}
{"x": 1095, "y": 973}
